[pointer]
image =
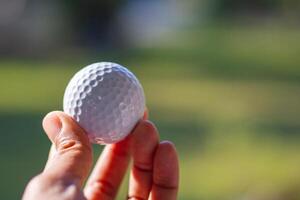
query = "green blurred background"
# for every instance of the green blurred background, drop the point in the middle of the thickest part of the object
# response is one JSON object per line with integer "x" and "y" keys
{"x": 222, "y": 81}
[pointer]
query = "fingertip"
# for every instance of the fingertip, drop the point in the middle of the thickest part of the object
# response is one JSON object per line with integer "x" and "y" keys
{"x": 145, "y": 126}
{"x": 146, "y": 114}
{"x": 166, "y": 151}
{"x": 166, "y": 146}
{"x": 58, "y": 123}
{"x": 52, "y": 124}
{"x": 145, "y": 131}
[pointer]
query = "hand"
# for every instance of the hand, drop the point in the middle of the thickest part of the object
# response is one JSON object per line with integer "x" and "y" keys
{"x": 154, "y": 172}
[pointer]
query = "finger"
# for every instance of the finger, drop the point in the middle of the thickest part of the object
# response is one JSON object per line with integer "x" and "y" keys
{"x": 165, "y": 173}
{"x": 144, "y": 145}
{"x": 71, "y": 157}
{"x": 146, "y": 114}
{"x": 109, "y": 171}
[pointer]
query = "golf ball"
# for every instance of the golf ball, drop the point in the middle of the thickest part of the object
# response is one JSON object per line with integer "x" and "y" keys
{"x": 106, "y": 100}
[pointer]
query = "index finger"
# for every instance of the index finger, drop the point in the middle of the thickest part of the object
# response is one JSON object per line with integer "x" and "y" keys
{"x": 109, "y": 171}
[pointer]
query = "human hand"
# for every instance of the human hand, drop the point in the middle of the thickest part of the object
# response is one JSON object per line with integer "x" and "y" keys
{"x": 154, "y": 172}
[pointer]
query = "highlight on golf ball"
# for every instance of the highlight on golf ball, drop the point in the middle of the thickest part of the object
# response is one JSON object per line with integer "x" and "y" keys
{"x": 106, "y": 100}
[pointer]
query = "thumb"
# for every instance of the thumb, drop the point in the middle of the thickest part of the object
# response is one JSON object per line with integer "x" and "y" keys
{"x": 71, "y": 157}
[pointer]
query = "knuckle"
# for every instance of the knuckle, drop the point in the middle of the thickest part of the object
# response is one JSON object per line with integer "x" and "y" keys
{"x": 135, "y": 198}
{"x": 76, "y": 148}
{"x": 144, "y": 167}
{"x": 66, "y": 144}
{"x": 165, "y": 182}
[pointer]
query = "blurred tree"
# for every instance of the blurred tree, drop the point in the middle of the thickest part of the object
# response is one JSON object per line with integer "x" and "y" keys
{"x": 291, "y": 8}
{"x": 93, "y": 21}
{"x": 246, "y": 7}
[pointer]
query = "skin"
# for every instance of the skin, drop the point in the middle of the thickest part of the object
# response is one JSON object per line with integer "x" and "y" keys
{"x": 154, "y": 173}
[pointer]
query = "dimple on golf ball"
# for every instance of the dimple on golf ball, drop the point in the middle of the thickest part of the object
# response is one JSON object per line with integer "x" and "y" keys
{"x": 106, "y": 100}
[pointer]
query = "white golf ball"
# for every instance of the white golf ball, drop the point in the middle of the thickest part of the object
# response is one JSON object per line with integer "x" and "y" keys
{"x": 106, "y": 100}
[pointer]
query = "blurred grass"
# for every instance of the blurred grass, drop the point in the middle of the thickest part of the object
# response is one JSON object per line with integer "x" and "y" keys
{"x": 228, "y": 97}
